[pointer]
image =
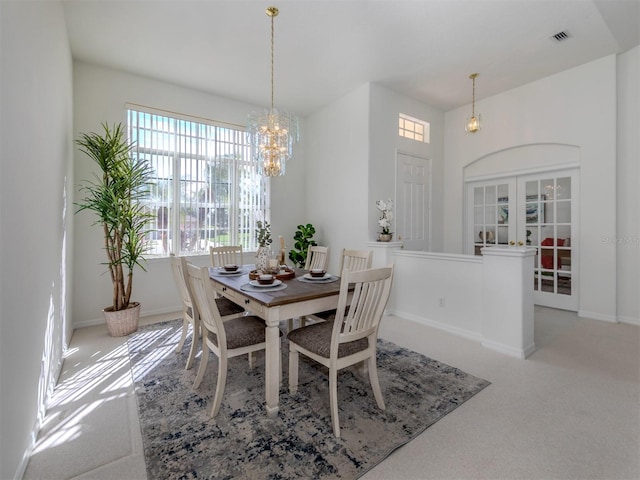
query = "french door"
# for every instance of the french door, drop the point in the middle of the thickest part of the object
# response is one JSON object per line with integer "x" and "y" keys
{"x": 536, "y": 210}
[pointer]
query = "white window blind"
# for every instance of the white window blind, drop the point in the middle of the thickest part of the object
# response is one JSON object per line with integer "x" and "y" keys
{"x": 206, "y": 191}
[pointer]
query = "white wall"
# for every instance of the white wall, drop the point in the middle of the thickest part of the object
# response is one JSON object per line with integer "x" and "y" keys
{"x": 100, "y": 95}
{"x": 384, "y": 142}
{"x": 575, "y": 107}
{"x": 628, "y": 198}
{"x": 422, "y": 280}
{"x": 337, "y": 172}
{"x": 35, "y": 235}
{"x": 351, "y": 149}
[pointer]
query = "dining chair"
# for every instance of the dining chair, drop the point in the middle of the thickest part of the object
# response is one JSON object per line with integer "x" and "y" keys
{"x": 352, "y": 260}
{"x": 190, "y": 313}
{"x": 348, "y": 340}
{"x": 226, "y": 255}
{"x": 317, "y": 257}
{"x": 226, "y": 339}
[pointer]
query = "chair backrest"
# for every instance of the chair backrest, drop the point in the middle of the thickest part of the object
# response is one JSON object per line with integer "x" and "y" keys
{"x": 204, "y": 297}
{"x": 371, "y": 289}
{"x": 317, "y": 257}
{"x": 179, "y": 269}
{"x": 354, "y": 260}
{"x": 221, "y": 256}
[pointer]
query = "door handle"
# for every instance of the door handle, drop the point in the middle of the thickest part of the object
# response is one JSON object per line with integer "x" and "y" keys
{"x": 512, "y": 242}
{"x": 520, "y": 243}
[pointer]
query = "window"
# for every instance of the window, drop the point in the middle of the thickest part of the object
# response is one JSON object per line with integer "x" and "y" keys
{"x": 413, "y": 128}
{"x": 207, "y": 191}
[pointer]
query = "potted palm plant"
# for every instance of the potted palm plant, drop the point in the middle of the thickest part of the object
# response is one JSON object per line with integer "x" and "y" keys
{"x": 115, "y": 196}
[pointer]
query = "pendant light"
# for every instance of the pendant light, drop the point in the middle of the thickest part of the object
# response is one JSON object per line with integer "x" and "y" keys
{"x": 472, "y": 125}
{"x": 272, "y": 133}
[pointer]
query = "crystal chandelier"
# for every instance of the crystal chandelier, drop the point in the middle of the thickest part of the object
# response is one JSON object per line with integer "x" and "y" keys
{"x": 272, "y": 133}
{"x": 472, "y": 125}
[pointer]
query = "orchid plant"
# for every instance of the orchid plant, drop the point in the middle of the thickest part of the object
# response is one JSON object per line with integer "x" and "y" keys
{"x": 387, "y": 215}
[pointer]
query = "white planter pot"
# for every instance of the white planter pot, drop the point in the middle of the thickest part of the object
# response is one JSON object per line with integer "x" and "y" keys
{"x": 122, "y": 322}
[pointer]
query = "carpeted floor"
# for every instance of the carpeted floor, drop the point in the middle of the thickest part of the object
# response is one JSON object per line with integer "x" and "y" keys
{"x": 182, "y": 442}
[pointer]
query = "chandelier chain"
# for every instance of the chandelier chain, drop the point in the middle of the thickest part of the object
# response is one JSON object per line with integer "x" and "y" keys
{"x": 473, "y": 98}
{"x": 272, "y": 59}
{"x": 473, "y": 94}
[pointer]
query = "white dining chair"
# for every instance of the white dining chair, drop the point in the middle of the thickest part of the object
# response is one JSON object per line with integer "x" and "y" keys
{"x": 226, "y": 339}
{"x": 317, "y": 257}
{"x": 190, "y": 313}
{"x": 226, "y": 255}
{"x": 348, "y": 340}
{"x": 352, "y": 260}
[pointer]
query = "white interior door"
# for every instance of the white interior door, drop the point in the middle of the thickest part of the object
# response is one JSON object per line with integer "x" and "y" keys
{"x": 491, "y": 208}
{"x": 548, "y": 207}
{"x": 537, "y": 210}
{"x": 413, "y": 187}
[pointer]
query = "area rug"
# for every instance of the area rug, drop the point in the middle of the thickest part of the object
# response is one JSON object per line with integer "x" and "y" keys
{"x": 182, "y": 442}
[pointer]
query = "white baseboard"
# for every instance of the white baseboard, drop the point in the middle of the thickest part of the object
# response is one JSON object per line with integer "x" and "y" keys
{"x": 460, "y": 332}
{"x": 629, "y": 320}
{"x": 598, "y": 316}
{"x": 37, "y": 425}
{"x": 144, "y": 313}
{"x": 520, "y": 353}
{"x": 468, "y": 334}
{"x": 26, "y": 456}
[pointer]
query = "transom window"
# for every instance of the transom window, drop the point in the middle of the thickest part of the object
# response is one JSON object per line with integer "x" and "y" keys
{"x": 206, "y": 191}
{"x": 413, "y": 128}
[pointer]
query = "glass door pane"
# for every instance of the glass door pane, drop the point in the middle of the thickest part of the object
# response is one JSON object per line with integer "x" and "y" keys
{"x": 490, "y": 206}
{"x": 539, "y": 211}
{"x": 548, "y": 209}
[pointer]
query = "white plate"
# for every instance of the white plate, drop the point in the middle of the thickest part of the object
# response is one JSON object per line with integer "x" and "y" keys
{"x": 255, "y": 283}
{"x": 308, "y": 276}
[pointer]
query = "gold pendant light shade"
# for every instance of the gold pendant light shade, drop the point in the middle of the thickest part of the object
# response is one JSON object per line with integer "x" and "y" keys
{"x": 472, "y": 125}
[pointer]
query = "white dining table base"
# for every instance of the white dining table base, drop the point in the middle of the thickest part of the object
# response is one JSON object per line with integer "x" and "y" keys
{"x": 274, "y": 310}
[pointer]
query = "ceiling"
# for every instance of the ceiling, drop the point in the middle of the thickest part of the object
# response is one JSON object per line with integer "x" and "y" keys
{"x": 424, "y": 49}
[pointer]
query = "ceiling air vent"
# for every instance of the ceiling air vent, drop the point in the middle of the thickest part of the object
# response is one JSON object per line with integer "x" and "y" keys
{"x": 561, "y": 36}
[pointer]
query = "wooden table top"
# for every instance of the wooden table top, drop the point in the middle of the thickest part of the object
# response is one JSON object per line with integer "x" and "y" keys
{"x": 296, "y": 291}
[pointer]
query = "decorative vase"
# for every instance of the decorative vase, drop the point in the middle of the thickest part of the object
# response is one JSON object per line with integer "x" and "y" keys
{"x": 385, "y": 237}
{"x": 122, "y": 322}
{"x": 262, "y": 258}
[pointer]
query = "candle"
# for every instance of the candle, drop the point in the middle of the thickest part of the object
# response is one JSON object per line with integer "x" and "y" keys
{"x": 273, "y": 263}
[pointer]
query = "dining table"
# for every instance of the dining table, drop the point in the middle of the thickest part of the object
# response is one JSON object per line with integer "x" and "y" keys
{"x": 289, "y": 298}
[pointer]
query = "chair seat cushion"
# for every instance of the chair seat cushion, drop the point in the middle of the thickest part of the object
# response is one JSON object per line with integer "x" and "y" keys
{"x": 317, "y": 339}
{"x": 227, "y": 307}
{"x": 326, "y": 315}
{"x": 242, "y": 332}
{"x": 329, "y": 314}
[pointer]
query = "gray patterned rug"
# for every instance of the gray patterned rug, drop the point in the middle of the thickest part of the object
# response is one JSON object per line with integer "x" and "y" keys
{"x": 182, "y": 442}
